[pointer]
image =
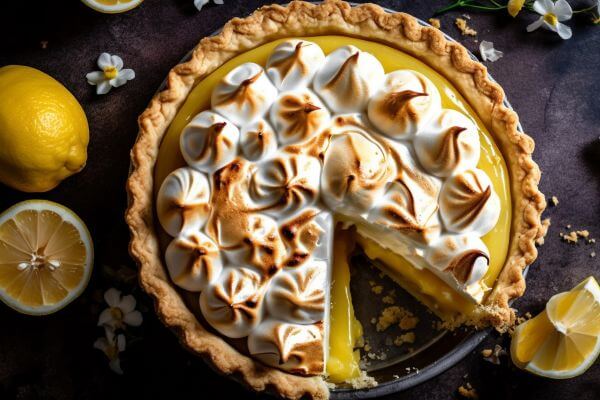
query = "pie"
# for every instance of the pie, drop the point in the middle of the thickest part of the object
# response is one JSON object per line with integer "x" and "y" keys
{"x": 303, "y": 133}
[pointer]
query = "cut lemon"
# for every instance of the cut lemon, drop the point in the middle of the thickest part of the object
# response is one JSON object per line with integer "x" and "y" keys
{"x": 112, "y": 6}
{"x": 564, "y": 340}
{"x": 46, "y": 257}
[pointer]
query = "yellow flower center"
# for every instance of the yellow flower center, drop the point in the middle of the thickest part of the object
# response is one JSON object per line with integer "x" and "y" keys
{"x": 110, "y": 72}
{"x": 551, "y": 19}
{"x": 116, "y": 313}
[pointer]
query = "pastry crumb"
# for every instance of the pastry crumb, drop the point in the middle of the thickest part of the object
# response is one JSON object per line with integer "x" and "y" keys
{"x": 435, "y": 22}
{"x": 465, "y": 29}
{"x": 583, "y": 234}
{"x": 388, "y": 300}
{"x": 543, "y": 231}
{"x": 363, "y": 381}
{"x": 554, "y": 201}
{"x": 396, "y": 315}
{"x": 593, "y": 254}
{"x": 570, "y": 237}
{"x": 486, "y": 352}
{"x": 408, "y": 337}
{"x": 377, "y": 289}
{"x": 494, "y": 355}
{"x": 468, "y": 392}
{"x": 408, "y": 322}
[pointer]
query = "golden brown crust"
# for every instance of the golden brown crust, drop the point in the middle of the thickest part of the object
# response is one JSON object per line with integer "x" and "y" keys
{"x": 370, "y": 22}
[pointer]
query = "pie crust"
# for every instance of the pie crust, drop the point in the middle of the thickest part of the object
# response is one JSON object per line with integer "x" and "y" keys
{"x": 369, "y": 22}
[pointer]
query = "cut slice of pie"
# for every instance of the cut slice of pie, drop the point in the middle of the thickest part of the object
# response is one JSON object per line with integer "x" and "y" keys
{"x": 301, "y": 133}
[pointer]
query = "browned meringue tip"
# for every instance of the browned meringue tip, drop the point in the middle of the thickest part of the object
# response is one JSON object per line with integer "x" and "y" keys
{"x": 396, "y": 102}
{"x": 462, "y": 265}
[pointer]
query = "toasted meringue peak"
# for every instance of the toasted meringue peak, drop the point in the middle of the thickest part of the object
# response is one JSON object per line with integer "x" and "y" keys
{"x": 406, "y": 101}
{"x": 297, "y": 294}
{"x": 292, "y": 347}
{"x": 449, "y": 144}
{"x": 233, "y": 304}
{"x": 244, "y": 94}
{"x": 183, "y": 201}
{"x": 209, "y": 141}
{"x": 410, "y": 201}
{"x": 465, "y": 257}
{"x": 468, "y": 203}
{"x": 356, "y": 167}
{"x": 258, "y": 140}
{"x": 285, "y": 184}
{"x": 298, "y": 115}
{"x": 294, "y": 63}
{"x": 348, "y": 78}
{"x": 193, "y": 261}
{"x": 306, "y": 235}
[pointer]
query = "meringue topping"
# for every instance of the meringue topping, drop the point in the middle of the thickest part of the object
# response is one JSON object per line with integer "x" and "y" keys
{"x": 449, "y": 144}
{"x": 193, "y": 261}
{"x": 298, "y": 115}
{"x": 468, "y": 203}
{"x": 293, "y": 64}
{"x": 258, "y": 140}
{"x": 348, "y": 78}
{"x": 404, "y": 104}
{"x": 244, "y": 94}
{"x": 183, "y": 201}
{"x": 209, "y": 141}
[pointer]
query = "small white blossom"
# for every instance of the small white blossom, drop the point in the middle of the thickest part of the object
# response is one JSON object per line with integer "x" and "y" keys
{"x": 120, "y": 312}
{"x": 112, "y": 345}
{"x": 200, "y": 3}
{"x": 552, "y": 14}
{"x": 112, "y": 74}
{"x": 488, "y": 52}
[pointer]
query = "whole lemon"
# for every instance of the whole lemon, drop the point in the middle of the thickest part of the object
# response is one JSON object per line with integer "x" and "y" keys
{"x": 44, "y": 132}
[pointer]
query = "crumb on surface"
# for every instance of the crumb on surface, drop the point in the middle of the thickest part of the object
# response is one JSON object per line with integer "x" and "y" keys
{"x": 486, "y": 352}
{"x": 465, "y": 29}
{"x": 396, "y": 315}
{"x": 408, "y": 337}
{"x": 570, "y": 237}
{"x": 593, "y": 254}
{"x": 377, "y": 289}
{"x": 388, "y": 299}
{"x": 435, "y": 22}
{"x": 543, "y": 231}
{"x": 468, "y": 392}
{"x": 554, "y": 201}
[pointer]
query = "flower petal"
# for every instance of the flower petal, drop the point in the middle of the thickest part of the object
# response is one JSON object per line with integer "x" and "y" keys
{"x": 199, "y": 4}
{"x": 95, "y": 77}
{"x": 117, "y": 82}
{"x": 104, "y": 61}
{"x": 121, "y": 342}
{"x": 103, "y": 87}
{"x": 115, "y": 366}
{"x": 563, "y": 10}
{"x": 133, "y": 318}
{"x": 127, "y": 304}
{"x": 112, "y": 297}
{"x": 110, "y": 334}
{"x": 488, "y": 52}
{"x": 218, "y": 1}
{"x": 543, "y": 6}
{"x": 105, "y": 318}
{"x": 564, "y": 31}
{"x": 535, "y": 25}
{"x": 549, "y": 26}
{"x": 101, "y": 344}
{"x": 127, "y": 73}
{"x": 117, "y": 62}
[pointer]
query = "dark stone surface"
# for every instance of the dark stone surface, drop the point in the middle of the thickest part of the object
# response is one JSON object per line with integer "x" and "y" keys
{"x": 553, "y": 84}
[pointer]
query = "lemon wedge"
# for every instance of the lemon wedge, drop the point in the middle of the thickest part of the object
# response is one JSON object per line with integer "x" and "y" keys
{"x": 112, "y": 6}
{"x": 564, "y": 340}
{"x": 46, "y": 257}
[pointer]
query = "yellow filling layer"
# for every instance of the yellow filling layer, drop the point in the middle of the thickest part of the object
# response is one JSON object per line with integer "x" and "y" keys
{"x": 343, "y": 362}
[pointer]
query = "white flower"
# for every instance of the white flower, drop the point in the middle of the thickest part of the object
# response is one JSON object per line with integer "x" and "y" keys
{"x": 488, "y": 52}
{"x": 111, "y": 74}
{"x": 552, "y": 14}
{"x": 111, "y": 346}
{"x": 200, "y": 3}
{"x": 121, "y": 311}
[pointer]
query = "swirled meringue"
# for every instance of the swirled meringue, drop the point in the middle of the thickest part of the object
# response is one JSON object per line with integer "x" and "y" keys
{"x": 244, "y": 94}
{"x": 233, "y": 304}
{"x": 285, "y": 184}
{"x": 464, "y": 258}
{"x": 406, "y": 101}
{"x": 258, "y": 140}
{"x": 297, "y": 294}
{"x": 193, "y": 261}
{"x": 294, "y": 63}
{"x": 292, "y": 347}
{"x": 183, "y": 201}
{"x": 356, "y": 167}
{"x": 347, "y": 79}
{"x": 298, "y": 115}
{"x": 468, "y": 203}
{"x": 449, "y": 144}
{"x": 307, "y": 235}
{"x": 209, "y": 141}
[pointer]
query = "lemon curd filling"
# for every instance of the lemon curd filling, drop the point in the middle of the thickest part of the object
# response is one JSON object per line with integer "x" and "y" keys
{"x": 344, "y": 330}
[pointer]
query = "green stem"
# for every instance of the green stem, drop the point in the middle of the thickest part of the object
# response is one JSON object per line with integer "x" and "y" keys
{"x": 584, "y": 9}
{"x": 469, "y": 4}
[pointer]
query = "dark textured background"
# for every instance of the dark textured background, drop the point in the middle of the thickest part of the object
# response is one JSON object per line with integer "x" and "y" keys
{"x": 553, "y": 84}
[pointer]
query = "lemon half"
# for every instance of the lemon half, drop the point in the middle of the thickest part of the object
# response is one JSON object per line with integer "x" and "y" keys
{"x": 46, "y": 257}
{"x": 564, "y": 340}
{"x": 112, "y": 6}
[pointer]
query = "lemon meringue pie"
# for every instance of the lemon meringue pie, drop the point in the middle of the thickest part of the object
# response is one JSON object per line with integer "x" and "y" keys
{"x": 299, "y": 135}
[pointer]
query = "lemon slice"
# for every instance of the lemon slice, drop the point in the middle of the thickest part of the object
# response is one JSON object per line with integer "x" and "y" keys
{"x": 46, "y": 257}
{"x": 112, "y": 6}
{"x": 563, "y": 341}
